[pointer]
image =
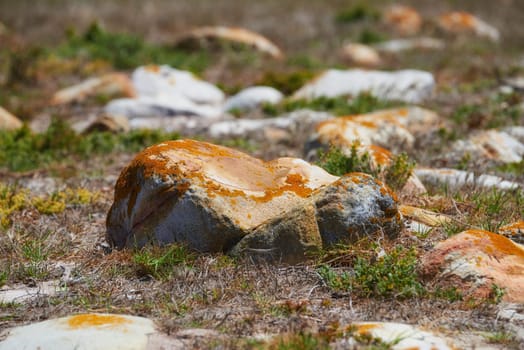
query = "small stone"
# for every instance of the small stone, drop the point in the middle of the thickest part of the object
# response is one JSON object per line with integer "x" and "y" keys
{"x": 404, "y": 19}
{"x": 463, "y": 22}
{"x": 114, "y": 84}
{"x": 513, "y": 231}
{"x": 401, "y": 336}
{"x": 424, "y": 216}
{"x": 474, "y": 261}
{"x": 360, "y": 55}
{"x": 237, "y": 35}
{"x": 411, "y": 86}
{"x": 454, "y": 179}
{"x": 9, "y": 121}
{"x": 399, "y": 45}
{"x": 83, "y": 331}
{"x": 253, "y": 97}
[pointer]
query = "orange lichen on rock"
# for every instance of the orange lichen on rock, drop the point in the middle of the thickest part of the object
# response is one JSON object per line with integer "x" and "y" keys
{"x": 457, "y": 21}
{"x": 363, "y": 329}
{"x": 495, "y": 245}
{"x": 404, "y": 19}
{"x": 96, "y": 320}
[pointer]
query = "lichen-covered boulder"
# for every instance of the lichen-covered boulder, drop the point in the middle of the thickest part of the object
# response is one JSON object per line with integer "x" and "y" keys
{"x": 210, "y": 197}
{"x": 404, "y": 19}
{"x": 475, "y": 260}
{"x": 457, "y": 22}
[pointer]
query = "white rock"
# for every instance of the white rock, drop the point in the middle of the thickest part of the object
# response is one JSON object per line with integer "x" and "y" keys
{"x": 398, "y": 45}
{"x": 152, "y": 81}
{"x": 402, "y": 336}
{"x": 20, "y": 294}
{"x": 460, "y": 22}
{"x": 492, "y": 144}
{"x": 516, "y": 132}
{"x": 252, "y": 97}
{"x": 83, "y": 332}
{"x": 404, "y": 85}
{"x": 458, "y": 178}
{"x": 291, "y": 121}
{"x": 160, "y": 106}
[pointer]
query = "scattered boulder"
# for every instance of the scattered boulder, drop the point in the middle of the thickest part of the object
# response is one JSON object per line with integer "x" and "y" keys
{"x": 411, "y": 86}
{"x": 454, "y": 179}
{"x": 201, "y": 36}
{"x": 463, "y": 22}
{"x": 114, "y": 84}
{"x": 210, "y": 197}
{"x": 400, "y": 336}
{"x": 293, "y": 122}
{"x": 492, "y": 145}
{"x": 514, "y": 231}
{"x": 253, "y": 97}
{"x": 9, "y": 121}
{"x": 399, "y": 45}
{"x": 474, "y": 261}
{"x": 393, "y": 129}
{"x": 360, "y": 55}
{"x": 404, "y": 19}
{"x": 83, "y": 331}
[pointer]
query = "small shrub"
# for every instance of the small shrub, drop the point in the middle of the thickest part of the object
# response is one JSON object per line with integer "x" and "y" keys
{"x": 392, "y": 275}
{"x": 11, "y": 200}
{"x": 368, "y": 36}
{"x": 54, "y": 204}
{"x": 357, "y": 13}
{"x": 287, "y": 83}
{"x": 300, "y": 341}
{"x": 397, "y": 173}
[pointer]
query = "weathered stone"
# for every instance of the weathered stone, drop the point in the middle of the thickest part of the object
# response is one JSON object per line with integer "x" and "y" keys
{"x": 152, "y": 81}
{"x": 253, "y": 97}
{"x": 104, "y": 122}
{"x": 286, "y": 238}
{"x": 464, "y": 22}
{"x": 453, "y": 179}
{"x": 22, "y": 293}
{"x": 114, "y": 84}
{"x": 9, "y": 121}
{"x": 405, "y": 20}
{"x": 84, "y": 331}
{"x": 198, "y": 36}
{"x": 424, "y": 216}
{"x": 494, "y": 145}
{"x": 360, "y": 55}
{"x": 210, "y": 197}
{"x": 405, "y": 85}
{"x": 400, "y": 336}
{"x": 399, "y": 45}
{"x": 513, "y": 231}
{"x": 293, "y": 122}
{"x": 354, "y": 206}
{"x": 391, "y": 128}
{"x": 474, "y": 261}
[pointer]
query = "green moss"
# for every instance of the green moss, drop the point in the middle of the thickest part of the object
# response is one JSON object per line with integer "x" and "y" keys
{"x": 287, "y": 83}
{"x": 357, "y": 12}
{"x": 24, "y": 150}
{"x": 126, "y": 51}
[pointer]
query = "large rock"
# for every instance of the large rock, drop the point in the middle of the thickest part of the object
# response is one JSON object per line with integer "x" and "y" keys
{"x": 200, "y": 37}
{"x": 83, "y": 332}
{"x": 253, "y": 97}
{"x": 9, "y": 121}
{"x": 405, "y": 85}
{"x": 405, "y": 20}
{"x": 210, "y": 197}
{"x": 463, "y": 22}
{"x": 454, "y": 179}
{"x": 475, "y": 260}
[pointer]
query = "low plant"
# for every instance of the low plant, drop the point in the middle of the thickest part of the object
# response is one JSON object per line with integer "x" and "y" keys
{"x": 299, "y": 341}
{"x": 391, "y": 275}
{"x": 357, "y": 12}
{"x": 11, "y": 199}
{"x": 159, "y": 262}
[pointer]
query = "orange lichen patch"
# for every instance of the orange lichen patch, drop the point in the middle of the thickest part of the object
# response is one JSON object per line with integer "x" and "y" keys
{"x": 380, "y": 155}
{"x": 457, "y": 21}
{"x": 366, "y": 328}
{"x": 514, "y": 228}
{"x": 96, "y": 320}
{"x": 154, "y": 68}
{"x": 495, "y": 244}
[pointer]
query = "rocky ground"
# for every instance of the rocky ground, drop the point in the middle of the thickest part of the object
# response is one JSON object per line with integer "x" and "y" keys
{"x": 445, "y": 256}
